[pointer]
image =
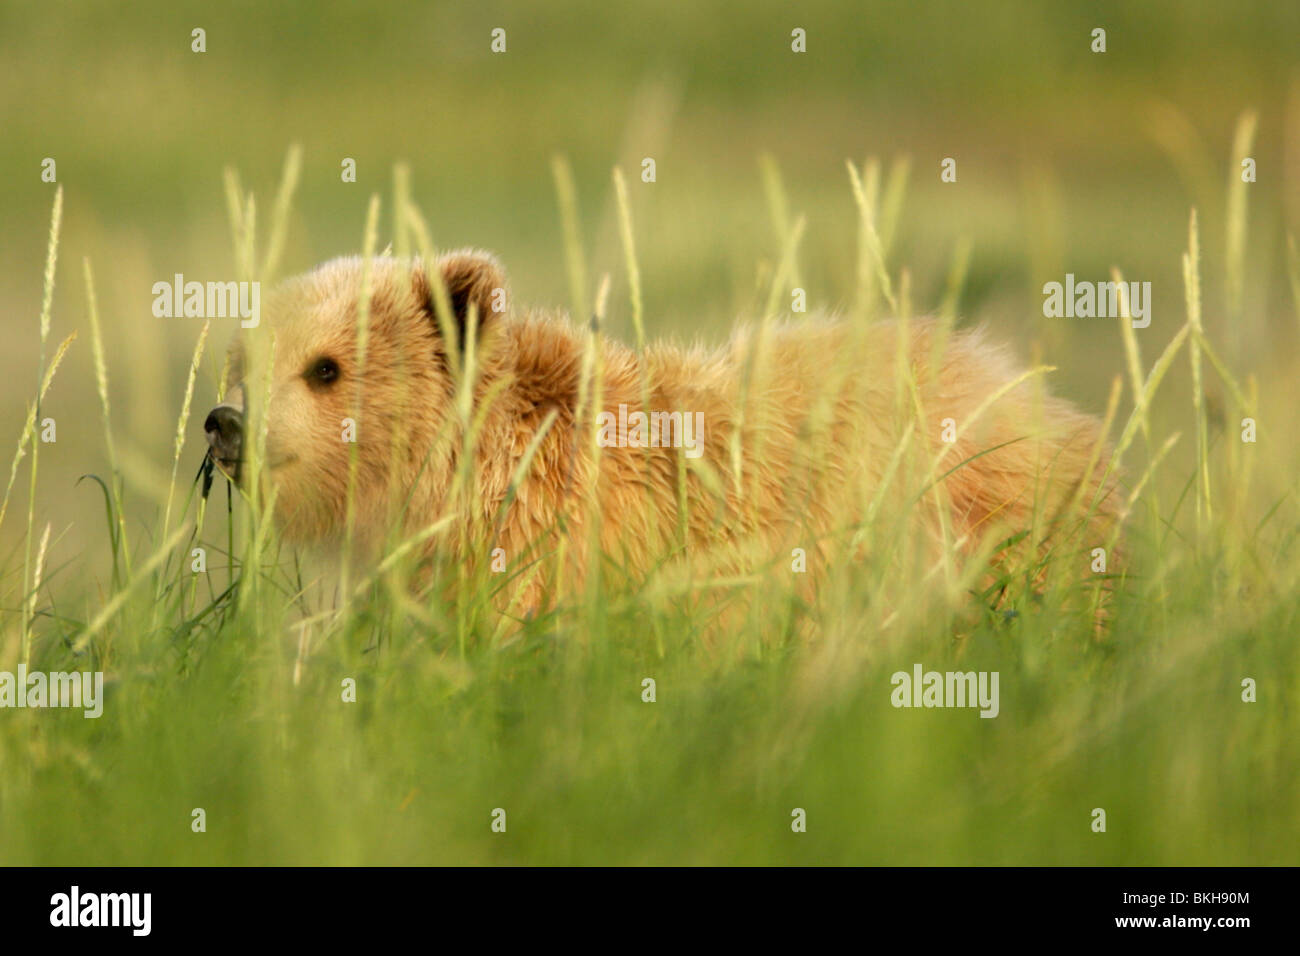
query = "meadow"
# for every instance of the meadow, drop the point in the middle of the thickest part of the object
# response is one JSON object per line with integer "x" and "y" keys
{"x": 225, "y": 689}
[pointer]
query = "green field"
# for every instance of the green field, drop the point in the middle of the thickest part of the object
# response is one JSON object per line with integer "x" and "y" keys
{"x": 224, "y": 690}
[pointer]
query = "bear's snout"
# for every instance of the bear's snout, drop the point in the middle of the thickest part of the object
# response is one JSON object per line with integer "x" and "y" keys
{"x": 225, "y": 429}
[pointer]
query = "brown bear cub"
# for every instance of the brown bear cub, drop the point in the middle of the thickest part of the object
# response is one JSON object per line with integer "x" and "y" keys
{"x": 552, "y": 448}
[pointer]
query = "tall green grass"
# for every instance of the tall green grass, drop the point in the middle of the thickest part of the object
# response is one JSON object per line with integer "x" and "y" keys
{"x": 226, "y": 689}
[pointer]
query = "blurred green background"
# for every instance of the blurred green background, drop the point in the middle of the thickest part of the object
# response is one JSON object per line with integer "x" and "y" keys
{"x": 1067, "y": 161}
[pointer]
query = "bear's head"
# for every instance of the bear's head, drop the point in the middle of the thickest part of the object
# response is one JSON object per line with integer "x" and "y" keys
{"x": 344, "y": 403}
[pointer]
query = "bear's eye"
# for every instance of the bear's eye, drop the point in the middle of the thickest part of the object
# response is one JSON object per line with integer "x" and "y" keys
{"x": 323, "y": 371}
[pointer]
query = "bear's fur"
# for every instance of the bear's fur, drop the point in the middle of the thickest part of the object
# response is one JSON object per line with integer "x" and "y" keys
{"x": 810, "y": 429}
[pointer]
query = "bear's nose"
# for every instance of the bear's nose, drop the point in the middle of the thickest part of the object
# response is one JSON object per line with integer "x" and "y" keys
{"x": 225, "y": 430}
{"x": 225, "y": 421}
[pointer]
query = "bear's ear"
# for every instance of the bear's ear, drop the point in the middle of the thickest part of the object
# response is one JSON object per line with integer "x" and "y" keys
{"x": 474, "y": 281}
